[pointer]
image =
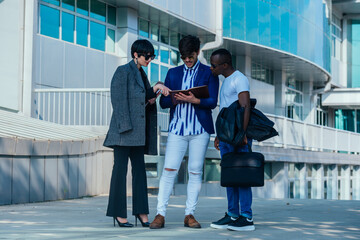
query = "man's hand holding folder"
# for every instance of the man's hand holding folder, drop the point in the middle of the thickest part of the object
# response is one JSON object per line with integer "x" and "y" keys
{"x": 191, "y": 95}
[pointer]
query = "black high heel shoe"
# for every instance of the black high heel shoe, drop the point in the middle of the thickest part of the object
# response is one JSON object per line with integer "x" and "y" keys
{"x": 144, "y": 224}
{"x": 127, "y": 224}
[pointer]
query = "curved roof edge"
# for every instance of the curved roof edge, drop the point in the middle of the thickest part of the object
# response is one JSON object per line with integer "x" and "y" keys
{"x": 278, "y": 59}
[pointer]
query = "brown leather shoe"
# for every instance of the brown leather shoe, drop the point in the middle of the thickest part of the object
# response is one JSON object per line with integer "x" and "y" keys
{"x": 159, "y": 222}
{"x": 191, "y": 222}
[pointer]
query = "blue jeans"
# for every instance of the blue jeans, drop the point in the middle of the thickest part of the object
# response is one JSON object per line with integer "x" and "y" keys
{"x": 236, "y": 195}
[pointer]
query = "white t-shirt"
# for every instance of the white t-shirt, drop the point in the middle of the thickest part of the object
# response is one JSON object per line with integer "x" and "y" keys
{"x": 231, "y": 87}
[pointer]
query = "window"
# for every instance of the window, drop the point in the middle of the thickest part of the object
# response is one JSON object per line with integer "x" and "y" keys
{"x": 98, "y": 10}
{"x": 143, "y": 28}
{"x": 321, "y": 113}
{"x": 97, "y": 36}
{"x": 262, "y": 73}
{"x": 83, "y": 7}
{"x": 336, "y": 37}
{"x": 167, "y": 56}
{"x": 82, "y": 31}
{"x": 111, "y": 41}
{"x": 68, "y": 27}
{"x": 77, "y": 23}
{"x": 112, "y": 15}
{"x": 294, "y": 99}
{"x": 50, "y": 21}
{"x": 345, "y": 119}
{"x": 68, "y": 4}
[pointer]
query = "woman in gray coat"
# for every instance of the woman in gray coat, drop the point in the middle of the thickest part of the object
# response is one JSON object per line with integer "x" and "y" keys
{"x": 132, "y": 132}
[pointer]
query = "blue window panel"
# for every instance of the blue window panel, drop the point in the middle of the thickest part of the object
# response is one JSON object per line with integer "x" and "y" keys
{"x": 293, "y": 5}
{"x": 293, "y": 32}
{"x": 143, "y": 28}
{"x": 68, "y": 4}
{"x": 55, "y": 2}
{"x": 112, "y": 15}
{"x": 82, "y": 31}
{"x": 98, "y": 10}
{"x": 226, "y": 18}
{"x": 82, "y": 7}
{"x": 275, "y": 27}
{"x": 355, "y": 76}
{"x": 111, "y": 41}
{"x": 97, "y": 36}
{"x": 156, "y": 51}
{"x": 264, "y": 23}
{"x": 174, "y": 57}
{"x": 358, "y": 121}
{"x": 164, "y": 71}
{"x": 49, "y": 21}
{"x": 355, "y": 30}
{"x": 238, "y": 19}
{"x": 355, "y": 52}
{"x": 164, "y": 54}
{"x": 275, "y": 2}
{"x": 252, "y": 21}
{"x": 285, "y": 4}
{"x": 154, "y": 70}
{"x": 68, "y": 27}
{"x": 284, "y": 30}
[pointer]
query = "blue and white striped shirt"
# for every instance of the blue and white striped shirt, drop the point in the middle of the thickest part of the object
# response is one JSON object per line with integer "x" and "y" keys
{"x": 185, "y": 121}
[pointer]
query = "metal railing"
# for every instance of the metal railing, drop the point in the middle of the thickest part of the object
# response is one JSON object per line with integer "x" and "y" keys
{"x": 92, "y": 107}
{"x": 78, "y": 107}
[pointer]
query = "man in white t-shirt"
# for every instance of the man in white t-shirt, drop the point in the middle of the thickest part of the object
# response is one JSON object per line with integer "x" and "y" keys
{"x": 235, "y": 87}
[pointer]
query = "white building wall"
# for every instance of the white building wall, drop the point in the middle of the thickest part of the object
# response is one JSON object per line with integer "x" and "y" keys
{"x": 11, "y": 47}
{"x": 200, "y": 12}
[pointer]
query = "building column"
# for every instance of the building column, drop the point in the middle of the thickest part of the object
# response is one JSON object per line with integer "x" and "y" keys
{"x": 356, "y": 183}
{"x": 127, "y": 22}
{"x": 280, "y": 180}
{"x": 243, "y": 64}
{"x": 280, "y": 100}
{"x": 29, "y": 33}
{"x": 303, "y": 182}
{"x": 333, "y": 183}
{"x": 345, "y": 183}
{"x": 309, "y": 101}
{"x": 318, "y": 173}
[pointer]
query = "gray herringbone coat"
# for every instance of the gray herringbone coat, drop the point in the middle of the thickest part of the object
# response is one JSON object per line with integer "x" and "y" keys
{"x": 128, "y": 122}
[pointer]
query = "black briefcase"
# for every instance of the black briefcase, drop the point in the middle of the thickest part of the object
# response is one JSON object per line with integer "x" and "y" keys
{"x": 242, "y": 169}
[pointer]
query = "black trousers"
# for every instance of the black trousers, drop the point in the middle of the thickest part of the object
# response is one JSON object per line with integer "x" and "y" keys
{"x": 117, "y": 206}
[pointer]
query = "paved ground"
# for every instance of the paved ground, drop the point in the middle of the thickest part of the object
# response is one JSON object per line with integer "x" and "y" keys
{"x": 274, "y": 219}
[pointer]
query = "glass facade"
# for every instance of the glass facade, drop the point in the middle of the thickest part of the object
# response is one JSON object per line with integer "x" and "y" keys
{"x": 89, "y": 23}
{"x": 294, "y": 99}
{"x": 262, "y": 73}
{"x": 165, "y": 45}
{"x": 355, "y": 49}
{"x": 347, "y": 119}
{"x": 281, "y": 24}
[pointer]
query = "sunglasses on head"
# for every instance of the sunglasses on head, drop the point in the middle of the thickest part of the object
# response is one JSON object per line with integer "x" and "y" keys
{"x": 147, "y": 56}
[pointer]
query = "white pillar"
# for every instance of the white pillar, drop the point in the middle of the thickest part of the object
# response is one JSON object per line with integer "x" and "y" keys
{"x": 345, "y": 183}
{"x": 280, "y": 100}
{"x": 333, "y": 183}
{"x": 29, "y": 34}
{"x": 303, "y": 182}
{"x": 308, "y": 99}
{"x": 356, "y": 183}
{"x": 127, "y": 22}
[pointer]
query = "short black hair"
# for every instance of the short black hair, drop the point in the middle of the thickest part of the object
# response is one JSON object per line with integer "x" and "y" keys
{"x": 142, "y": 46}
{"x": 225, "y": 55}
{"x": 188, "y": 45}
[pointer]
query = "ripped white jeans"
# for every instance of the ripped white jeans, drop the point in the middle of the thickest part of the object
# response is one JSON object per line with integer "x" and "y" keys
{"x": 176, "y": 147}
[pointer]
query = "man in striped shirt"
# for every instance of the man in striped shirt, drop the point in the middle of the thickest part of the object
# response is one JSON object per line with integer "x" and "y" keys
{"x": 190, "y": 127}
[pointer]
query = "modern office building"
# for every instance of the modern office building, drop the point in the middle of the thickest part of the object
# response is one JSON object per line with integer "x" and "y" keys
{"x": 58, "y": 58}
